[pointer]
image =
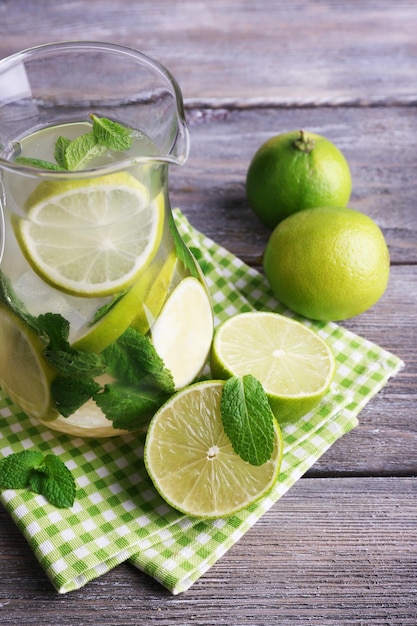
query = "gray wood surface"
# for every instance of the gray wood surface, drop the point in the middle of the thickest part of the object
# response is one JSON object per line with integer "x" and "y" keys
{"x": 340, "y": 547}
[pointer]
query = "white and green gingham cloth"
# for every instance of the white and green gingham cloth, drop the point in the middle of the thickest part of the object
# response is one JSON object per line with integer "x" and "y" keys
{"x": 118, "y": 515}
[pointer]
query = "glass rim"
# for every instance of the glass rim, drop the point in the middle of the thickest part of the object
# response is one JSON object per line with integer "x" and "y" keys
{"x": 121, "y": 49}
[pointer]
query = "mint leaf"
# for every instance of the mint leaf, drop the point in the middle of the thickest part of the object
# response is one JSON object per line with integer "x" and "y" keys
{"x": 132, "y": 359}
{"x": 55, "y": 328}
{"x": 81, "y": 150}
{"x": 247, "y": 418}
{"x": 111, "y": 134}
{"x": 45, "y": 165}
{"x": 61, "y": 147}
{"x": 47, "y": 475}
{"x": 75, "y": 363}
{"x": 16, "y": 468}
{"x": 54, "y": 481}
{"x": 129, "y": 408}
{"x": 71, "y": 393}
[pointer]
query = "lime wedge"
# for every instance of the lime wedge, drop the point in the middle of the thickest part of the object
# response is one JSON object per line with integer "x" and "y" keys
{"x": 24, "y": 374}
{"x": 191, "y": 461}
{"x": 183, "y": 332}
{"x": 292, "y": 362}
{"x": 137, "y": 307}
{"x": 91, "y": 237}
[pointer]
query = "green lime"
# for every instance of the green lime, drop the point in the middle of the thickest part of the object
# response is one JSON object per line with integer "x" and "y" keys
{"x": 295, "y": 171}
{"x": 24, "y": 374}
{"x": 183, "y": 331}
{"x": 293, "y": 363}
{"x": 327, "y": 263}
{"x": 91, "y": 237}
{"x": 191, "y": 461}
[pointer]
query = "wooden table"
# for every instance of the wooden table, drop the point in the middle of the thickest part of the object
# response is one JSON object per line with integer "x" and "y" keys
{"x": 340, "y": 547}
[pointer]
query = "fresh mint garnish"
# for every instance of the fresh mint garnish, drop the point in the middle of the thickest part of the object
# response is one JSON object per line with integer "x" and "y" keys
{"x": 82, "y": 150}
{"x": 70, "y": 394}
{"x": 45, "y": 165}
{"x": 61, "y": 147}
{"x": 129, "y": 408}
{"x": 76, "y": 154}
{"x": 133, "y": 358}
{"x": 247, "y": 418}
{"x": 47, "y": 476}
{"x": 111, "y": 134}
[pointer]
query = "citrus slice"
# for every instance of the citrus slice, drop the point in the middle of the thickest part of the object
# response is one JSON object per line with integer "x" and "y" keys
{"x": 292, "y": 362}
{"x": 183, "y": 332}
{"x": 137, "y": 307}
{"x": 24, "y": 375}
{"x": 91, "y": 237}
{"x": 191, "y": 461}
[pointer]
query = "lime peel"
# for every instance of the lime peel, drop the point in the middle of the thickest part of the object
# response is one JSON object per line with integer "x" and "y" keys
{"x": 191, "y": 461}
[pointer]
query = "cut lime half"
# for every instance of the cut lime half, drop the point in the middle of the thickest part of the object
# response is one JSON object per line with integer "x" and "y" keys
{"x": 292, "y": 362}
{"x": 91, "y": 237}
{"x": 191, "y": 460}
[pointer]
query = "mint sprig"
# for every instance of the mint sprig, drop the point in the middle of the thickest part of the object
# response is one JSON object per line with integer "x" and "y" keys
{"x": 247, "y": 419}
{"x": 142, "y": 382}
{"x": 45, "y": 475}
{"x": 76, "y": 154}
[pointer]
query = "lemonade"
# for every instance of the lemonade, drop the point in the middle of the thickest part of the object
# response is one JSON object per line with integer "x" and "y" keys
{"x": 104, "y": 313}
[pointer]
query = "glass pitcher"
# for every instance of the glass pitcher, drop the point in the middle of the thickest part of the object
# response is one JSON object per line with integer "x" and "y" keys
{"x": 104, "y": 312}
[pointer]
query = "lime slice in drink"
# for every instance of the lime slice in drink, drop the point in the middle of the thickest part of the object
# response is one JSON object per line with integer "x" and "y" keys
{"x": 191, "y": 460}
{"x": 292, "y": 362}
{"x": 137, "y": 307}
{"x": 91, "y": 237}
{"x": 24, "y": 375}
{"x": 183, "y": 331}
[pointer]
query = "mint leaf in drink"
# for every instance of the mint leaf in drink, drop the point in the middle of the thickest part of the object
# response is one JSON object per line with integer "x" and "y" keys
{"x": 61, "y": 147}
{"x": 133, "y": 359}
{"x": 129, "y": 408}
{"x": 111, "y": 134}
{"x": 70, "y": 394}
{"x": 16, "y": 468}
{"x": 81, "y": 150}
{"x": 44, "y": 165}
{"x": 48, "y": 476}
{"x": 54, "y": 481}
{"x": 75, "y": 362}
{"x": 247, "y": 418}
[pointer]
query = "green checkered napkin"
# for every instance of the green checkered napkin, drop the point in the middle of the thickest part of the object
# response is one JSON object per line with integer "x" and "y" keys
{"x": 118, "y": 515}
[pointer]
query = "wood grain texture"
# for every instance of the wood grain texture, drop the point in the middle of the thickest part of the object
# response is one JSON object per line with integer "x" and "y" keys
{"x": 240, "y": 51}
{"x": 340, "y": 547}
{"x": 330, "y": 552}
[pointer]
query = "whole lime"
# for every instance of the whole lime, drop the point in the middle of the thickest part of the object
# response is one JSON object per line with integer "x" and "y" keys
{"x": 327, "y": 263}
{"x": 295, "y": 171}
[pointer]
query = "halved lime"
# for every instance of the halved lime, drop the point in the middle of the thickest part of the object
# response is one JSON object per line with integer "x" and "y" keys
{"x": 292, "y": 362}
{"x": 91, "y": 237}
{"x": 24, "y": 374}
{"x": 183, "y": 332}
{"x": 191, "y": 461}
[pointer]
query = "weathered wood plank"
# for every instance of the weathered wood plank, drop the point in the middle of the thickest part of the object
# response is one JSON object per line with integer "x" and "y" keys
{"x": 243, "y": 51}
{"x": 329, "y": 552}
{"x": 378, "y": 144}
